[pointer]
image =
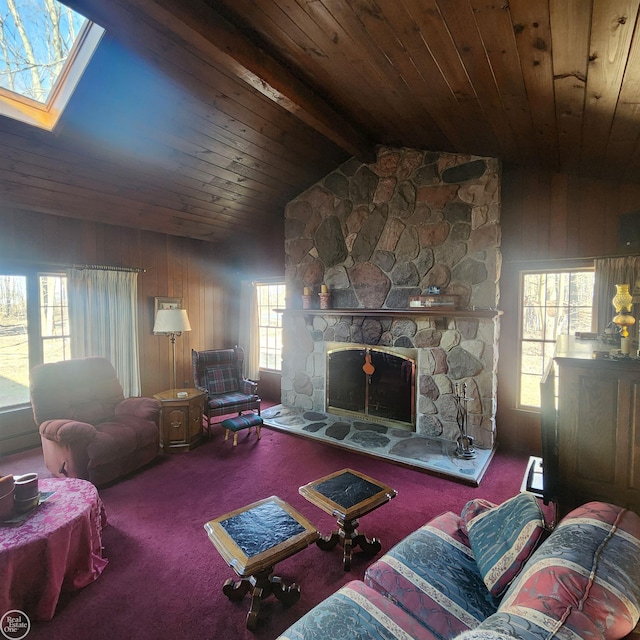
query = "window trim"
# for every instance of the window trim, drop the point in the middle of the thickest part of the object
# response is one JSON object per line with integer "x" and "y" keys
{"x": 46, "y": 116}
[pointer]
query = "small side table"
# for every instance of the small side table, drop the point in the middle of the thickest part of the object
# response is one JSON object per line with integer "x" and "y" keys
{"x": 347, "y": 495}
{"x": 252, "y": 540}
{"x": 181, "y": 419}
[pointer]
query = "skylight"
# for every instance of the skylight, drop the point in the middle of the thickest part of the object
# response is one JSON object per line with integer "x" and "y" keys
{"x": 44, "y": 49}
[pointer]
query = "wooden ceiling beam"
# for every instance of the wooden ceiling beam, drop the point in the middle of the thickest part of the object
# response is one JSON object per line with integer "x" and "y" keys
{"x": 219, "y": 40}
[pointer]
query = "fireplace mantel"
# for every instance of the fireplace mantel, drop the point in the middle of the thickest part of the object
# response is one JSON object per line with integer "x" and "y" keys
{"x": 422, "y": 312}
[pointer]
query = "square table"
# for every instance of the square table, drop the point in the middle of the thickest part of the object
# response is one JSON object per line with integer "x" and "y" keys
{"x": 252, "y": 540}
{"x": 348, "y": 494}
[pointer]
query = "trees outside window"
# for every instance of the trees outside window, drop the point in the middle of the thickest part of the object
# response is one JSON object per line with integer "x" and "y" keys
{"x": 54, "y": 318}
{"x": 34, "y": 328}
{"x": 270, "y": 298}
{"x": 552, "y": 303}
{"x": 44, "y": 48}
{"x": 36, "y": 39}
{"x": 14, "y": 341}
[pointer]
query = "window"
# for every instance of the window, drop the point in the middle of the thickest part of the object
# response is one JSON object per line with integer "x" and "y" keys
{"x": 270, "y": 298}
{"x": 44, "y": 49}
{"x": 54, "y": 318}
{"x": 552, "y": 303}
{"x": 34, "y": 328}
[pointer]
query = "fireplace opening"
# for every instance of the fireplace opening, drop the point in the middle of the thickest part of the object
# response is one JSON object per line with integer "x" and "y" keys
{"x": 372, "y": 383}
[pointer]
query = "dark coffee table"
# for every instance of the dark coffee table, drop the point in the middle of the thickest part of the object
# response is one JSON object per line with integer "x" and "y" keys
{"x": 348, "y": 494}
{"x": 252, "y": 540}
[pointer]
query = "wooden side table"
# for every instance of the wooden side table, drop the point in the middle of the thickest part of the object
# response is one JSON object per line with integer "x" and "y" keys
{"x": 181, "y": 418}
{"x": 252, "y": 540}
{"x": 347, "y": 494}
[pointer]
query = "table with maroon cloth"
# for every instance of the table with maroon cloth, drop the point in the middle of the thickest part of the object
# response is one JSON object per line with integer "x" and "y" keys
{"x": 57, "y": 549}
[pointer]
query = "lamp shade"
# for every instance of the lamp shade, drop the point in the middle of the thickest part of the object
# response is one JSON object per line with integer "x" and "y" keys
{"x": 171, "y": 321}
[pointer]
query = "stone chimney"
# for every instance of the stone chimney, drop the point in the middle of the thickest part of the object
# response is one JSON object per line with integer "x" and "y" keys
{"x": 377, "y": 234}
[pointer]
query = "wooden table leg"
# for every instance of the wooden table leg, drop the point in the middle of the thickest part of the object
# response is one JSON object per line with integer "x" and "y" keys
{"x": 287, "y": 594}
{"x": 261, "y": 585}
{"x": 350, "y": 538}
{"x": 236, "y": 590}
{"x": 326, "y": 543}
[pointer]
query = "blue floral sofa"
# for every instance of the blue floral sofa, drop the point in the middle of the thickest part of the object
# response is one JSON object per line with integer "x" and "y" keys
{"x": 494, "y": 572}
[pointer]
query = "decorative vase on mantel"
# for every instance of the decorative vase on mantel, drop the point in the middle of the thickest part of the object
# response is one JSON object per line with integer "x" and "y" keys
{"x": 307, "y": 298}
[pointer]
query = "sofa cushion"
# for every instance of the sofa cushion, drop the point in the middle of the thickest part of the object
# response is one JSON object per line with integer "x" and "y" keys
{"x": 482, "y": 634}
{"x": 356, "y": 611}
{"x": 433, "y": 576}
{"x": 232, "y": 402}
{"x": 582, "y": 582}
{"x": 503, "y": 539}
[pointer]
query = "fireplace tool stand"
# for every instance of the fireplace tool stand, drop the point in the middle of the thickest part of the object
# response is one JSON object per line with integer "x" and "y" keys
{"x": 464, "y": 442}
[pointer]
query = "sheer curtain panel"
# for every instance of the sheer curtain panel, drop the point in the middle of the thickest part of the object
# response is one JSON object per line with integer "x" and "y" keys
{"x": 248, "y": 330}
{"x": 103, "y": 316}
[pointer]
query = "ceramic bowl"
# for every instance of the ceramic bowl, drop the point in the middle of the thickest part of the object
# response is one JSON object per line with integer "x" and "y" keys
{"x": 22, "y": 506}
{"x": 26, "y": 486}
{"x": 6, "y": 484}
{"x": 6, "y": 497}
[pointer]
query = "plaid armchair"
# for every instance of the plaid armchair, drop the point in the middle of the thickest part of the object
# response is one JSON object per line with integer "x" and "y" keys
{"x": 218, "y": 373}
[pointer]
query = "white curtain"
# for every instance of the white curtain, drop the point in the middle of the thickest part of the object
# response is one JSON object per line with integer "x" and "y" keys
{"x": 248, "y": 330}
{"x": 103, "y": 318}
{"x": 608, "y": 273}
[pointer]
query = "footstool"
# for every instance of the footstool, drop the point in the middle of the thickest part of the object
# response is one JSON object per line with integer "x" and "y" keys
{"x": 241, "y": 422}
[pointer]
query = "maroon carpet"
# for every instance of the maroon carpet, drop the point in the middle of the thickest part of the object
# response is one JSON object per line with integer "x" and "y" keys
{"x": 164, "y": 578}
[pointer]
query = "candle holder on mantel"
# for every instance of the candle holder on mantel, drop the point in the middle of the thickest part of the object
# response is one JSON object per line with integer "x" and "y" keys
{"x": 325, "y": 297}
{"x": 307, "y": 298}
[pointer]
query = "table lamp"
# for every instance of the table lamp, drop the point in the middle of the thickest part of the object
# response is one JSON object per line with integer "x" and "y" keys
{"x": 623, "y": 302}
{"x": 172, "y": 322}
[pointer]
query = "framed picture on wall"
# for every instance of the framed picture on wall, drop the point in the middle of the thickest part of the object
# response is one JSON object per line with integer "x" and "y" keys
{"x": 164, "y": 303}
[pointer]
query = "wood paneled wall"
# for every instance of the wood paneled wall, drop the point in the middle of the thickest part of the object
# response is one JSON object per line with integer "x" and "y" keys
{"x": 205, "y": 275}
{"x": 547, "y": 219}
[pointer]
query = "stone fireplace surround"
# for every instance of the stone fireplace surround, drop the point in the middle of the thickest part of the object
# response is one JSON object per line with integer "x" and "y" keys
{"x": 377, "y": 234}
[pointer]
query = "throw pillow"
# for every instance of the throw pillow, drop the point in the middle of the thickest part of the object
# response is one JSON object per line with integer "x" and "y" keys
{"x": 504, "y": 537}
{"x": 472, "y": 509}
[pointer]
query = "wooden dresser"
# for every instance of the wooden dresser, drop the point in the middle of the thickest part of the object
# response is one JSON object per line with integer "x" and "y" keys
{"x": 598, "y": 426}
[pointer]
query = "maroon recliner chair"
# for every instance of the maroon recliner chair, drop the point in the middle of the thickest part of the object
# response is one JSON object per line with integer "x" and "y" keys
{"x": 88, "y": 429}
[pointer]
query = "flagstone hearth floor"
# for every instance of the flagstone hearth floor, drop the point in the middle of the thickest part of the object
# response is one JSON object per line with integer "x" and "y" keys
{"x": 433, "y": 455}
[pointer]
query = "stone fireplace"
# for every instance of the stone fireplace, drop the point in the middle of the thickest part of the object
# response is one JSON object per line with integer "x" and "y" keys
{"x": 377, "y": 234}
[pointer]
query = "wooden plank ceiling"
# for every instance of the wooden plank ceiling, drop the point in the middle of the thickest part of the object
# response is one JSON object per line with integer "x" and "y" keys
{"x": 202, "y": 118}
